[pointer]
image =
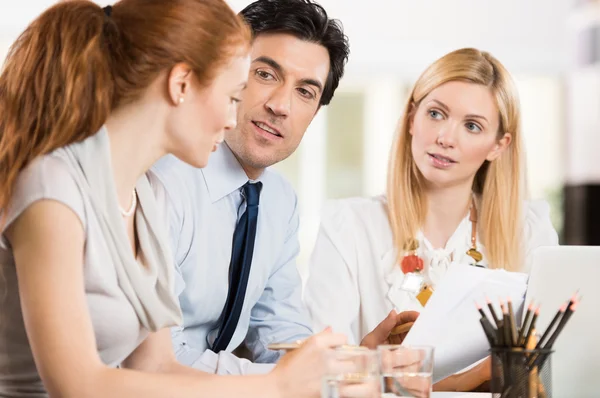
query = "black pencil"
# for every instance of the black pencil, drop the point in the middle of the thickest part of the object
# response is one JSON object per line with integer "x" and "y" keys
{"x": 508, "y": 340}
{"x": 500, "y": 334}
{"x": 502, "y": 326}
{"x": 568, "y": 312}
{"x": 532, "y": 323}
{"x": 521, "y": 336}
{"x": 492, "y": 311}
{"x": 488, "y": 330}
{"x": 482, "y": 312}
{"x": 550, "y": 327}
{"x": 558, "y": 317}
{"x": 540, "y": 360}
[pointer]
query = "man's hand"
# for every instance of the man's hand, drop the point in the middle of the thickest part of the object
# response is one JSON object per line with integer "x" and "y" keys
{"x": 381, "y": 333}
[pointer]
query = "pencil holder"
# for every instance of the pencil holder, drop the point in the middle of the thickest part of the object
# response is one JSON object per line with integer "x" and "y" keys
{"x": 519, "y": 373}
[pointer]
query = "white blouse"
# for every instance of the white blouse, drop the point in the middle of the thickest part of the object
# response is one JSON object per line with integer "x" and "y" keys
{"x": 354, "y": 280}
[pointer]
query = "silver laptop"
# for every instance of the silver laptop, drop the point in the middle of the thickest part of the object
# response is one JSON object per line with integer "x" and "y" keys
{"x": 557, "y": 272}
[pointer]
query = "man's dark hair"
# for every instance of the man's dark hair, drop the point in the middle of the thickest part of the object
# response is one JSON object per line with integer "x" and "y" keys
{"x": 307, "y": 21}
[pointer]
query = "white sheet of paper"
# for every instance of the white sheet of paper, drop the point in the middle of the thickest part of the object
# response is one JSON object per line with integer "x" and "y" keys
{"x": 450, "y": 320}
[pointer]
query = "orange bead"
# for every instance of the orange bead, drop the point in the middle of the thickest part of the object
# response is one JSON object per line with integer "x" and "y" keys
{"x": 411, "y": 263}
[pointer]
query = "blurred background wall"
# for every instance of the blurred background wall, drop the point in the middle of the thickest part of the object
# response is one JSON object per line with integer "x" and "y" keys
{"x": 552, "y": 48}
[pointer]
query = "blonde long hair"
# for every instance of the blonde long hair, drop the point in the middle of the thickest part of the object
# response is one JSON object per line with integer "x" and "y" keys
{"x": 499, "y": 185}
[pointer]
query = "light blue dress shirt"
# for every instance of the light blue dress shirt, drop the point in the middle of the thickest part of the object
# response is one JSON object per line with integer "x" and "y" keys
{"x": 204, "y": 206}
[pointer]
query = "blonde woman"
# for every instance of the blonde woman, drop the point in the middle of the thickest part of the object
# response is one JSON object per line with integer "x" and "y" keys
{"x": 455, "y": 195}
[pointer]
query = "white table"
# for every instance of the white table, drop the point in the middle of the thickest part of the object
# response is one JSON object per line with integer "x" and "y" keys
{"x": 461, "y": 395}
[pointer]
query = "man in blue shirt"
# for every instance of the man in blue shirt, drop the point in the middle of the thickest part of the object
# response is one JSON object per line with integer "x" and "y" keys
{"x": 234, "y": 224}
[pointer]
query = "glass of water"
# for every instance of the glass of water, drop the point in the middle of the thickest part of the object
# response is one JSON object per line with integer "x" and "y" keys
{"x": 406, "y": 371}
{"x": 351, "y": 372}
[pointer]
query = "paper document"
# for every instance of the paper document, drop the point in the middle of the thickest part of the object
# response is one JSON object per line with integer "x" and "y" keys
{"x": 450, "y": 321}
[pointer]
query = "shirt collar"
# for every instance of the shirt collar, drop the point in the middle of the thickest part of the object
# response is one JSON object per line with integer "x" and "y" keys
{"x": 223, "y": 174}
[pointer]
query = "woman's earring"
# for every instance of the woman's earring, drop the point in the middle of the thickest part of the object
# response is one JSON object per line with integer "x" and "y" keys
{"x": 181, "y": 100}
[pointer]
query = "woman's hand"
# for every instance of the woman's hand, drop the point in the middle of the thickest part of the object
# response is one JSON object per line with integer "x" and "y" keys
{"x": 474, "y": 379}
{"x": 381, "y": 334}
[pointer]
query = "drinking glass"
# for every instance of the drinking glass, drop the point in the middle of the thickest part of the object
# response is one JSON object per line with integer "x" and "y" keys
{"x": 406, "y": 371}
{"x": 351, "y": 372}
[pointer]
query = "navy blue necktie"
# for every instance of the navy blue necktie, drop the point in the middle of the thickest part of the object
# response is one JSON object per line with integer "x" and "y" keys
{"x": 239, "y": 268}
